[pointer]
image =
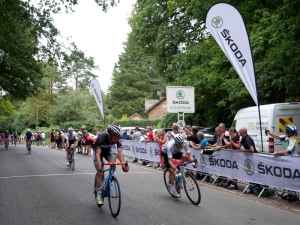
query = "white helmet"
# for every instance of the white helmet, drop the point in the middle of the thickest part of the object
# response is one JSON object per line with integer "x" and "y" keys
{"x": 178, "y": 138}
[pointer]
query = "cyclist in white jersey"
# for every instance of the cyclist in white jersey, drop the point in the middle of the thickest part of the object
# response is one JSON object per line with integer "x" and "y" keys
{"x": 173, "y": 150}
{"x": 71, "y": 142}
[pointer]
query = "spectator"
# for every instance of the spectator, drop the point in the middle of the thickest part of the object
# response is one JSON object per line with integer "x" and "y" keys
{"x": 57, "y": 138}
{"x": 38, "y": 138}
{"x": 86, "y": 142}
{"x": 225, "y": 135}
{"x": 193, "y": 137}
{"x": 43, "y": 138}
{"x": 188, "y": 130}
{"x": 218, "y": 144}
{"x": 175, "y": 130}
{"x": 290, "y": 147}
{"x": 201, "y": 140}
{"x": 99, "y": 131}
{"x": 52, "y": 139}
{"x": 233, "y": 138}
{"x": 136, "y": 137}
{"x": 248, "y": 146}
{"x": 150, "y": 137}
{"x": 161, "y": 139}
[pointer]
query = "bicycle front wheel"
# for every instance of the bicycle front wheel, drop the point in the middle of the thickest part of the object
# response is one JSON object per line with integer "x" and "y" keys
{"x": 192, "y": 189}
{"x": 114, "y": 197}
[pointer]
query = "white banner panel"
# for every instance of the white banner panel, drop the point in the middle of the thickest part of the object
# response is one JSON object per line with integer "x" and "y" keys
{"x": 142, "y": 150}
{"x": 226, "y": 25}
{"x": 281, "y": 172}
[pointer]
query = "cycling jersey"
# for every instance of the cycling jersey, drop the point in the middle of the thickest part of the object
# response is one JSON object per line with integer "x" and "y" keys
{"x": 6, "y": 135}
{"x": 104, "y": 144}
{"x": 72, "y": 139}
{"x": 28, "y": 135}
{"x": 170, "y": 148}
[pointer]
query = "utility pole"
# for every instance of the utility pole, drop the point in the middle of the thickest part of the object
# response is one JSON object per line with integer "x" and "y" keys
{"x": 37, "y": 117}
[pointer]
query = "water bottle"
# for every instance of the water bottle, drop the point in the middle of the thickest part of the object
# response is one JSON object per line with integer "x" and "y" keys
{"x": 176, "y": 178}
{"x": 104, "y": 183}
{"x": 179, "y": 178}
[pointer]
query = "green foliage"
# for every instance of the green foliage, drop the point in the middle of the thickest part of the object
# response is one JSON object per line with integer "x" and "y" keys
{"x": 77, "y": 67}
{"x": 124, "y": 117}
{"x": 133, "y": 123}
{"x": 91, "y": 126}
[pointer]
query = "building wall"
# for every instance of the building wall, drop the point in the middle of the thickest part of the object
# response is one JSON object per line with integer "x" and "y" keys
{"x": 149, "y": 103}
{"x": 136, "y": 118}
{"x": 158, "y": 111}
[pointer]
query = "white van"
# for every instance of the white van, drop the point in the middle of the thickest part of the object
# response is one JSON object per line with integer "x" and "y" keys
{"x": 273, "y": 118}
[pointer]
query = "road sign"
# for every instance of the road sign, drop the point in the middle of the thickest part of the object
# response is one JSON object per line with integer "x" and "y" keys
{"x": 180, "y": 99}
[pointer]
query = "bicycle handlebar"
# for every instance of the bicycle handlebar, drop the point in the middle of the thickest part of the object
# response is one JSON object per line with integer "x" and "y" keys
{"x": 111, "y": 164}
{"x": 185, "y": 163}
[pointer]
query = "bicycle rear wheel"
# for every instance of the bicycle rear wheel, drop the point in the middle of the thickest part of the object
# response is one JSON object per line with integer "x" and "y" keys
{"x": 73, "y": 161}
{"x": 167, "y": 182}
{"x": 114, "y": 197}
{"x": 192, "y": 189}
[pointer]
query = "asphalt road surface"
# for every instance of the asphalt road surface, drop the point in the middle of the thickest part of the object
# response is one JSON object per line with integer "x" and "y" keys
{"x": 40, "y": 189}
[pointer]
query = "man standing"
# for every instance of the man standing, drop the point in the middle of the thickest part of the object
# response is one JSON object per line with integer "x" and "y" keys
{"x": 247, "y": 142}
{"x": 136, "y": 136}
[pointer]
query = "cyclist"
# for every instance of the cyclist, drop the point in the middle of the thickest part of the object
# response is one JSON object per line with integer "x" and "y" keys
{"x": 173, "y": 150}
{"x": 71, "y": 142}
{"x": 80, "y": 138}
{"x": 6, "y": 137}
{"x": 15, "y": 137}
{"x": 102, "y": 149}
{"x": 28, "y": 137}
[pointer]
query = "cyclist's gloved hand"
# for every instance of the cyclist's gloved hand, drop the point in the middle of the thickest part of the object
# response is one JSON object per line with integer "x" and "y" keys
{"x": 125, "y": 167}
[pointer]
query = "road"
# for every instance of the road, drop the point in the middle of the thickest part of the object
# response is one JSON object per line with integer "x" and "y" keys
{"x": 40, "y": 189}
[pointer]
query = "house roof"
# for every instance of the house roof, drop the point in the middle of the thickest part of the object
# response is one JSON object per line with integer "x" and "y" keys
{"x": 137, "y": 115}
{"x": 154, "y": 105}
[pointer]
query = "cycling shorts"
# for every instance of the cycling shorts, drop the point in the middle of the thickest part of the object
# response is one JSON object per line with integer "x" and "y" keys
{"x": 107, "y": 155}
{"x": 175, "y": 156}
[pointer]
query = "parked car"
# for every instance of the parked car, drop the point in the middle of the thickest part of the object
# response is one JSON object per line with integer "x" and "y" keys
{"x": 210, "y": 136}
{"x": 126, "y": 131}
{"x": 210, "y": 129}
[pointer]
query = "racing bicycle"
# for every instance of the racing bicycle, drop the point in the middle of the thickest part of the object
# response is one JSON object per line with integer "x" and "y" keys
{"x": 186, "y": 181}
{"x": 6, "y": 141}
{"x": 72, "y": 159}
{"x": 29, "y": 147}
{"x": 111, "y": 189}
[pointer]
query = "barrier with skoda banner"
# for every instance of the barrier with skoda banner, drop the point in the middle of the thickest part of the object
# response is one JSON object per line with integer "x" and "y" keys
{"x": 278, "y": 172}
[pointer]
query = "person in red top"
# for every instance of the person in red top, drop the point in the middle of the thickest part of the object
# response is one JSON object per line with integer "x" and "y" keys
{"x": 150, "y": 134}
{"x": 233, "y": 138}
{"x": 161, "y": 139}
{"x": 87, "y": 141}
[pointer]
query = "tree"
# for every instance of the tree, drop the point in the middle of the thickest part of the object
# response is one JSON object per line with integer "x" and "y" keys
{"x": 134, "y": 80}
{"x": 78, "y": 67}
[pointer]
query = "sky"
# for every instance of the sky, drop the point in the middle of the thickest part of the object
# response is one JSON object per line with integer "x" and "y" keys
{"x": 100, "y": 35}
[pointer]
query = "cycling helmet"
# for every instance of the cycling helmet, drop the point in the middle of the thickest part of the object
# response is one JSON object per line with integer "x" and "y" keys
{"x": 80, "y": 133}
{"x": 28, "y": 129}
{"x": 178, "y": 139}
{"x": 70, "y": 129}
{"x": 114, "y": 130}
{"x": 291, "y": 129}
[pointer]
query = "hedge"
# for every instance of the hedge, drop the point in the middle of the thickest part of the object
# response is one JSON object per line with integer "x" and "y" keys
{"x": 133, "y": 123}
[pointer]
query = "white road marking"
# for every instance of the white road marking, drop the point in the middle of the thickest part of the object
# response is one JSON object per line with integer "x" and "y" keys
{"x": 72, "y": 174}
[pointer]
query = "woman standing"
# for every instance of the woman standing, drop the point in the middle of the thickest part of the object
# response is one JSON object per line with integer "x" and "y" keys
{"x": 161, "y": 139}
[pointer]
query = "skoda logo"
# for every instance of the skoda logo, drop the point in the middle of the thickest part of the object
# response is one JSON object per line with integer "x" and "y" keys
{"x": 92, "y": 85}
{"x": 133, "y": 149}
{"x": 180, "y": 94}
{"x": 151, "y": 152}
{"x": 217, "y": 22}
{"x": 203, "y": 160}
{"x": 248, "y": 166}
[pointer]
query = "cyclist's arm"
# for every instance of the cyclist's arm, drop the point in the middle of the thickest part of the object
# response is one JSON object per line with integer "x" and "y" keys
{"x": 98, "y": 158}
{"x": 120, "y": 155}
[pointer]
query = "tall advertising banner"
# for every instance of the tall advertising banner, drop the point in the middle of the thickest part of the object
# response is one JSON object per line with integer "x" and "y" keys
{"x": 96, "y": 90}
{"x": 226, "y": 25}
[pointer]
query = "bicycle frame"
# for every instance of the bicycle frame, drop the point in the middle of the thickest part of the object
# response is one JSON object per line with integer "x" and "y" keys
{"x": 109, "y": 177}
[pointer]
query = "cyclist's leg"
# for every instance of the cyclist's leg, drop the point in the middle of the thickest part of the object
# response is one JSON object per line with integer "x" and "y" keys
{"x": 67, "y": 156}
{"x": 99, "y": 174}
{"x": 111, "y": 158}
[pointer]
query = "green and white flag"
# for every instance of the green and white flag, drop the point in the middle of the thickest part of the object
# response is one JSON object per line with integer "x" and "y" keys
{"x": 227, "y": 26}
{"x": 96, "y": 90}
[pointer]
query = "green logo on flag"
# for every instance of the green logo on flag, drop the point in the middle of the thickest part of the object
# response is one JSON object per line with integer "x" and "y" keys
{"x": 180, "y": 94}
{"x": 203, "y": 160}
{"x": 151, "y": 152}
{"x": 217, "y": 22}
{"x": 92, "y": 85}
